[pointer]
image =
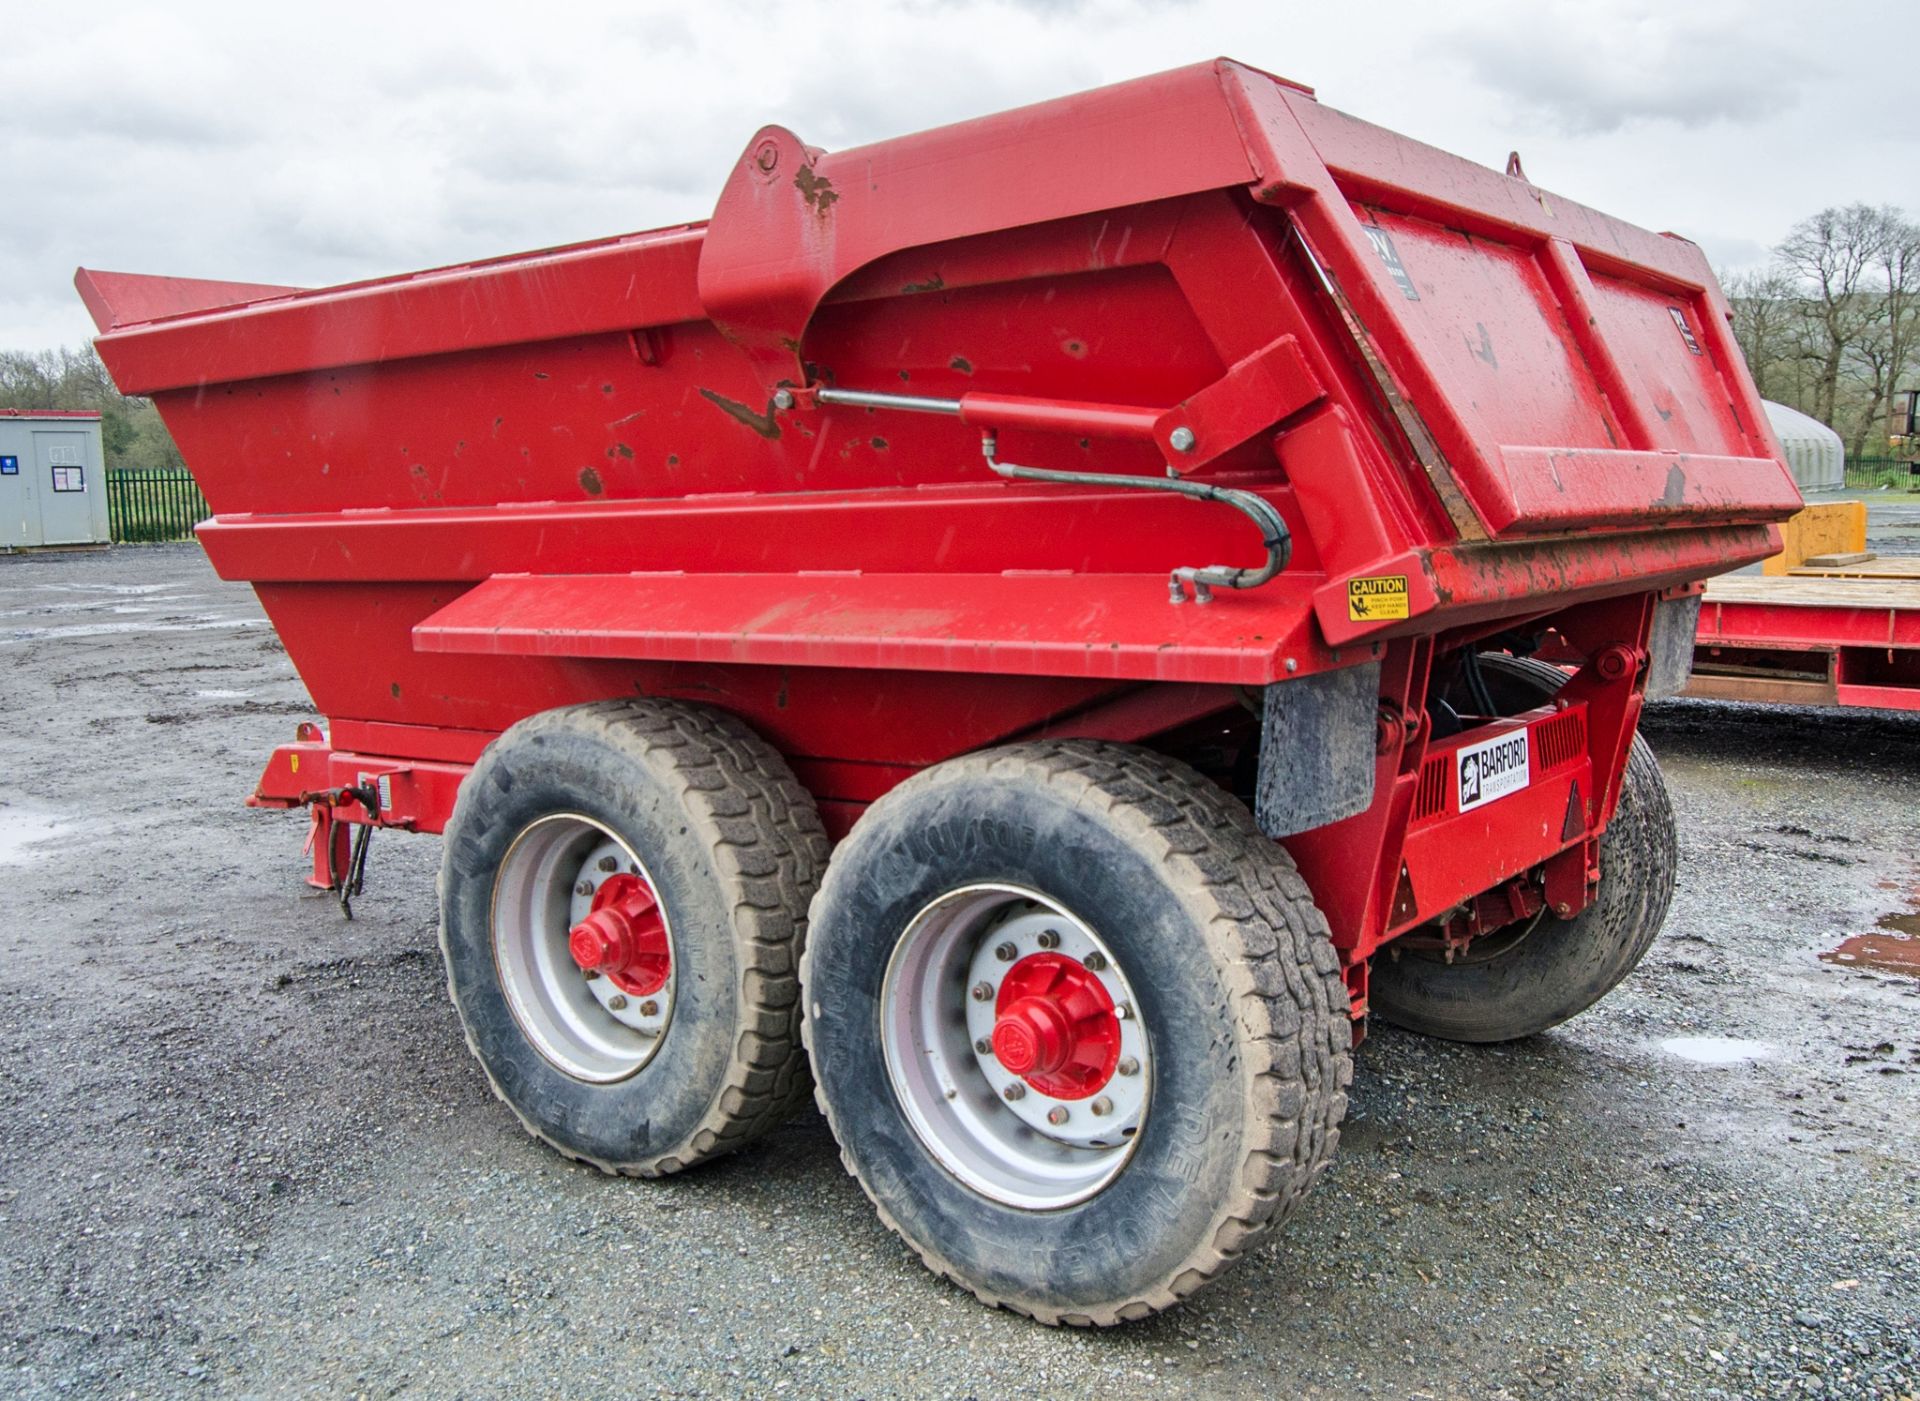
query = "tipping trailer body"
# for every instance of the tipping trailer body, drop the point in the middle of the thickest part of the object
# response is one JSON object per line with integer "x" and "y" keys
{"x": 480, "y": 492}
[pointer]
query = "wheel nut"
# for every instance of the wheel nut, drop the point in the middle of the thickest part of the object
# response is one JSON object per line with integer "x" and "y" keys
{"x": 1057, "y": 1115}
{"x": 1128, "y": 1066}
{"x": 1049, "y": 939}
{"x": 984, "y": 1046}
{"x": 616, "y": 1003}
{"x": 1014, "y": 1091}
{"x": 1102, "y": 1105}
{"x": 649, "y": 1008}
{"x": 1095, "y": 961}
{"x": 1123, "y": 1010}
{"x": 609, "y": 864}
{"x": 589, "y": 973}
{"x": 584, "y": 888}
{"x": 1005, "y": 952}
{"x": 983, "y": 992}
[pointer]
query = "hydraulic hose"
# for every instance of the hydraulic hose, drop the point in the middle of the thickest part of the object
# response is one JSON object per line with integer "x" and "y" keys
{"x": 1098, "y": 418}
{"x": 1275, "y": 538}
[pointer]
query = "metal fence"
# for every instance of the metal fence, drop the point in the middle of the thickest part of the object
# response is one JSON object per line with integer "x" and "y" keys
{"x": 1883, "y": 473}
{"x": 147, "y": 505}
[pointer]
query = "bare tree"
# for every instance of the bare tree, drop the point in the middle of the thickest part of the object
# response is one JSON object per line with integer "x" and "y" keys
{"x": 1833, "y": 256}
{"x": 1766, "y": 323}
{"x": 1889, "y": 353}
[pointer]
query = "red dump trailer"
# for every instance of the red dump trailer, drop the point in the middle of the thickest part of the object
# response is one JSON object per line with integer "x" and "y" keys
{"x": 1064, "y": 615}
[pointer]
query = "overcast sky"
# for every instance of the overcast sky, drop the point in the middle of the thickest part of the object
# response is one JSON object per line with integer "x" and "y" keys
{"x": 311, "y": 145}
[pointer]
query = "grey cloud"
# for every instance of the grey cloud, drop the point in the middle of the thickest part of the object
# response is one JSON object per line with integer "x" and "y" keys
{"x": 76, "y": 112}
{"x": 1608, "y": 73}
{"x": 930, "y": 84}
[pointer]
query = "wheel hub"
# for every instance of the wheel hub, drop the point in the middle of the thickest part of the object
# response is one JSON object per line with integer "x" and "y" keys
{"x": 584, "y": 948}
{"x": 1015, "y": 1046}
{"x": 623, "y": 937}
{"x": 1055, "y": 1027}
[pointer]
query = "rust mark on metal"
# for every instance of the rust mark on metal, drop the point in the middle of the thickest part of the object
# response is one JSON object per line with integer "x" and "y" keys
{"x": 762, "y": 423}
{"x": 590, "y": 481}
{"x": 816, "y": 190}
{"x": 673, "y": 459}
{"x": 606, "y": 389}
{"x": 932, "y": 284}
{"x": 961, "y": 364}
{"x": 1075, "y": 347}
{"x": 879, "y": 443}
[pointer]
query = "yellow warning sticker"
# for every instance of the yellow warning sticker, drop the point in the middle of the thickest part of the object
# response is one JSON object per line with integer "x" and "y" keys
{"x": 1371, "y": 600}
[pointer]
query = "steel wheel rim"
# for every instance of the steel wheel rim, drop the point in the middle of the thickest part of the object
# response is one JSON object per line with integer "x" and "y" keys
{"x": 955, "y": 1095}
{"x": 583, "y": 1024}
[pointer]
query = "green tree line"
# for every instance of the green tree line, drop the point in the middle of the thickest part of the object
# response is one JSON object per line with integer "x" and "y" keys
{"x": 131, "y": 432}
{"x": 1831, "y": 325}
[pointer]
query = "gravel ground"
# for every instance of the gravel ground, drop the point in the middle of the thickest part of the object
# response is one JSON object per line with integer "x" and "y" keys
{"x": 1893, "y": 526}
{"x": 243, "y": 1149}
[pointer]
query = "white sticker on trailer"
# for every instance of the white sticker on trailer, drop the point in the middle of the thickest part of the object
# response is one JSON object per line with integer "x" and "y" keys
{"x": 1493, "y": 768}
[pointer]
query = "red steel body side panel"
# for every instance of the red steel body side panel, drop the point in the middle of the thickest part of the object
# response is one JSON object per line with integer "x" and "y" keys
{"x": 614, "y": 286}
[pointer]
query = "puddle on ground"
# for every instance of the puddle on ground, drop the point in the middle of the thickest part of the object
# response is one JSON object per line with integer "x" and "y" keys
{"x": 1716, "y": 1050}
{"x": 1893, "y": 947}
{"x": 204, "y": 623}
{"x": 21, "y": 831}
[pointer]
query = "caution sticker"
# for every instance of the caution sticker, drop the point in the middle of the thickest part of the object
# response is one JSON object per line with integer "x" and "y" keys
{"x": 1371, "y": 600}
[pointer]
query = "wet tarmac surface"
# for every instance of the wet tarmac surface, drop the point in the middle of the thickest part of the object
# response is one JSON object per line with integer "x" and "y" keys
{"x": 243, "y": 1150}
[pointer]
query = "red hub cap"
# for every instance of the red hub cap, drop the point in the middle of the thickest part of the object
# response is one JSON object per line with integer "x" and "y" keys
{"x": 623, "y": 937}
{"x": 1055, "y": 1027}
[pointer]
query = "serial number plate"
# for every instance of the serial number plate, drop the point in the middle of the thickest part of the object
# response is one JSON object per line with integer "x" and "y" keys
{"x": 1493, "y": 768}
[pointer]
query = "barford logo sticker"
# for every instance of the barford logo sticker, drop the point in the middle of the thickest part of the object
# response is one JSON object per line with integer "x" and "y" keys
{"x": 1494, "y": 768}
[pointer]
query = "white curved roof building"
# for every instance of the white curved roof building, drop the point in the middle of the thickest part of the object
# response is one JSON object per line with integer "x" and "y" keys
{"x": 1814, "y": 451}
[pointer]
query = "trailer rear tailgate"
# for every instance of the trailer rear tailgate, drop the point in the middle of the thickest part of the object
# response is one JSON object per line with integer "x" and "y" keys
{"x": 1565, "y": 370}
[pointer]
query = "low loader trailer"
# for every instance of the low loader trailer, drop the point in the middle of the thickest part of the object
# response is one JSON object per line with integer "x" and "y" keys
{"x": 1825, "y": 622}
{"x": 1030, "y": 632}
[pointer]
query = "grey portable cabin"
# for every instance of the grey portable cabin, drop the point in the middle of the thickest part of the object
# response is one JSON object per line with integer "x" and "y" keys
{"x": 53, "y": 480}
